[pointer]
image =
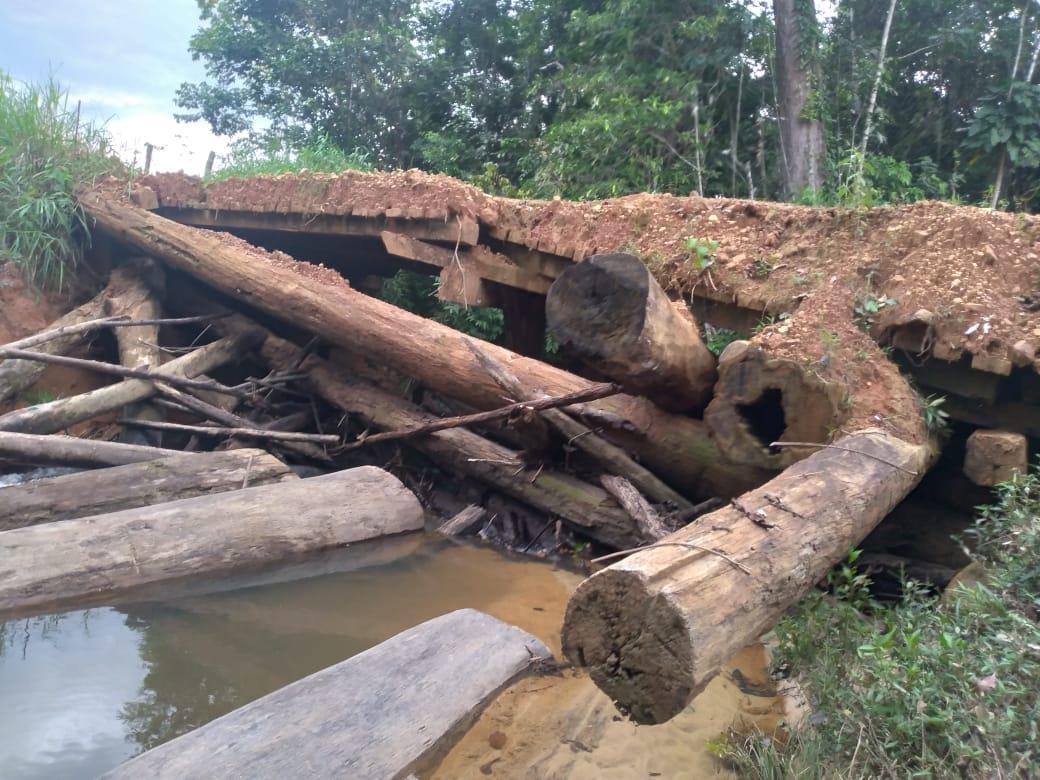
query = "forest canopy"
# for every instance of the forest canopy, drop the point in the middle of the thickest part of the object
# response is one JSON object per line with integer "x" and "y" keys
{"x": 873, "y": 102}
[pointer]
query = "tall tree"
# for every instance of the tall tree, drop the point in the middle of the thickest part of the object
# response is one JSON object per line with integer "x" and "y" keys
{"x": 798, "y": 77}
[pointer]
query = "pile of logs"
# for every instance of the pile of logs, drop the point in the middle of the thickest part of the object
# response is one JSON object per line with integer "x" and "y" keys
{"x": 251, "y": 367}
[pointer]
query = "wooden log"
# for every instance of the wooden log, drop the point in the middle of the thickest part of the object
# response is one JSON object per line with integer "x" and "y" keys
{"x": 676, "y": 447}
{"x": 760, "y": 399}
{"x": 610, "y": 312}
{"x": 647, "y": 520}
{"x": 71, "y": 451}
{"x": 385, "y": 713}
{"x": 613, "y": 459}
{"x": 222, "y": 432}
{"x": 656, "y": 627}
{"x": 587, "y": 507}
{"x": 102, "y": 323}
{"x": 58, "y": 415}
{"x": 463, "y": 521}
{"x": 96, "y": 559}
{"x": 135, "y": 485}
{"x": 992, "y": 457}
{"x": 19, "y": 375}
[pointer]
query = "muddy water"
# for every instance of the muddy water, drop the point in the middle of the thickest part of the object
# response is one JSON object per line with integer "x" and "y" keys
{"x": 82, "y": 691}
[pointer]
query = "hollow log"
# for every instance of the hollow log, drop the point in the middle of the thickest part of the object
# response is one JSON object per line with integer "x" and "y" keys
{"x": 385, "y": 713}
{"x": 587, "y": 507}
{"x": 656, "y": 627}
{"x": 58, "y": 415}
{"x": 71, "y": 451}
{"x": 676, "y": 447}
{"x": 19, "y": 375}
{"x": 97, "y": 559}
{"x": 611, "y": 313}
{"x": 139, "y": 484}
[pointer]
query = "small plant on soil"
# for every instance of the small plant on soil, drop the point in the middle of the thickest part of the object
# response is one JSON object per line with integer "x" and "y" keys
{"x": 868, "y": 308}
{"x": 936, "y": 419}
{"x": 717, "y": 339}
{"x": 926, "y": 687}
{"x": 702, "y": 252}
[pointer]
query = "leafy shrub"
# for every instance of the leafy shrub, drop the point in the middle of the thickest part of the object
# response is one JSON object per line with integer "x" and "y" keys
{"x": 925, "y": 688}
{"x": 46, "y": 153}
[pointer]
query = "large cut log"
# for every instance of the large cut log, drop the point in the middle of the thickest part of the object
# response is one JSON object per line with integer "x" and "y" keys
{"x": 610, "y": 312}
{"x": 71, "y": 451}
{"x": 18, "y": 375}
{"x": 807, "y": 378}
{"x": 58, "y": 415}
{"x": 96, "y": 559}
{"x": 674, "y": 446}
{"x": 587, "y": 507}
{"x": 385, "y": 713}
{"x": 655, "y": 628}
{"x": 139, "y": 484}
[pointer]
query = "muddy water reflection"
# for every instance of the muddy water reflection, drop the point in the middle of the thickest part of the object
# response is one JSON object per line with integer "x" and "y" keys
{"x": 83, "y": 691}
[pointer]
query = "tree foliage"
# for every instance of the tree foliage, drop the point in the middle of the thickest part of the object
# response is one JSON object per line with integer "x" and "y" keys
{"x": 590, "y": 98}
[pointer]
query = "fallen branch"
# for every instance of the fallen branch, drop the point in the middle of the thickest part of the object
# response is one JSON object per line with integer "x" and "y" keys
{"x": 253, "y": 433}
{"x": 121, "y": 371}
{"x": 116, "y": 321}
{"x": 593, "y": 393}
{"x": 612, "y": 458}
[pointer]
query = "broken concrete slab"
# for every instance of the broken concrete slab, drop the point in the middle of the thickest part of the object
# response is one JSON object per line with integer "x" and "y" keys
{"x": 384, "y": 713}
{"x": 995, "y": 456}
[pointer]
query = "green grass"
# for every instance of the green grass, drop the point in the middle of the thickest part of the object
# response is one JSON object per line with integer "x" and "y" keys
{"x": 46, "y": 152}
{"x": 925, "y": 688}
{"x": 249, "y": 158}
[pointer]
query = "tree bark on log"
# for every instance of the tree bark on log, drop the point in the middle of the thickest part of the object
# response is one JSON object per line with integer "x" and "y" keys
{"x": 19, "y": 375}
{"x": 761, "y": 398}
{"x": 611, "y": 313}
{"x": 71, "y": 451}
{"x": 136, "y": 485}
{"x": 58, "y": 415}
{"x": 633, "y": 502}
{"x": 677, "y": 448}
{"x": 97, "y": 559}
{"x": 656, "y": 627}
{"x": 587, "y": 507}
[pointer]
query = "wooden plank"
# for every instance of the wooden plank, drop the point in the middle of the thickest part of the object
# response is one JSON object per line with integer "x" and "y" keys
{"x": 479, "y": 261}
{"x": 387, "y": 712}
{"x": 367, "y": 224}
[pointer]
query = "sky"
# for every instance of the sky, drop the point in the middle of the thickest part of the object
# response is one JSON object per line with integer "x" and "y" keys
{"x": 124, "y": 59}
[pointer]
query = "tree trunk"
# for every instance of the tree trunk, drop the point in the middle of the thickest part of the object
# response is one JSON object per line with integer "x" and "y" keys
{"x": 19, "y": 375}
{"x": 71, "y": 451}
{"x": 655, "y": 627}
{"x": 136, "y": 485}
{"x": 388, "y": 712}
{"x": 611, "y": 313}
{"x": 801, "y": 135}
{"x": 675, "y": 447}
{"x": 58, "y": 415}
{"x": 96, "y": 559}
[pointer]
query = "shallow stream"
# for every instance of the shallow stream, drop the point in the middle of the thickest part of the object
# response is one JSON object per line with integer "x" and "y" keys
{"x": 83, "y": 691}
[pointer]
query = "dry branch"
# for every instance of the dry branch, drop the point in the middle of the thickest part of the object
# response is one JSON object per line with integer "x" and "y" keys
{"x": 222, "y": 432}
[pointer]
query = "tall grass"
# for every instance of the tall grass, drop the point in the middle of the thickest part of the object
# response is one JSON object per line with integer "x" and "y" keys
{"x": 274, "y": 155}
{"x": 45, "y": 154}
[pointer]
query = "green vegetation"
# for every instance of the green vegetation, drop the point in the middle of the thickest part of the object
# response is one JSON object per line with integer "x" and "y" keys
{"x": 271, "y": 156}
{"x": 418, "y": 293}
{"x": 717, "y": 339}
{"x": 936, "y": 419}
{"x": 926, "y": 687}
{"x": 702, "y": 252}
{"x": 596, "y": 98}
{"x": 45, "y": 154}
